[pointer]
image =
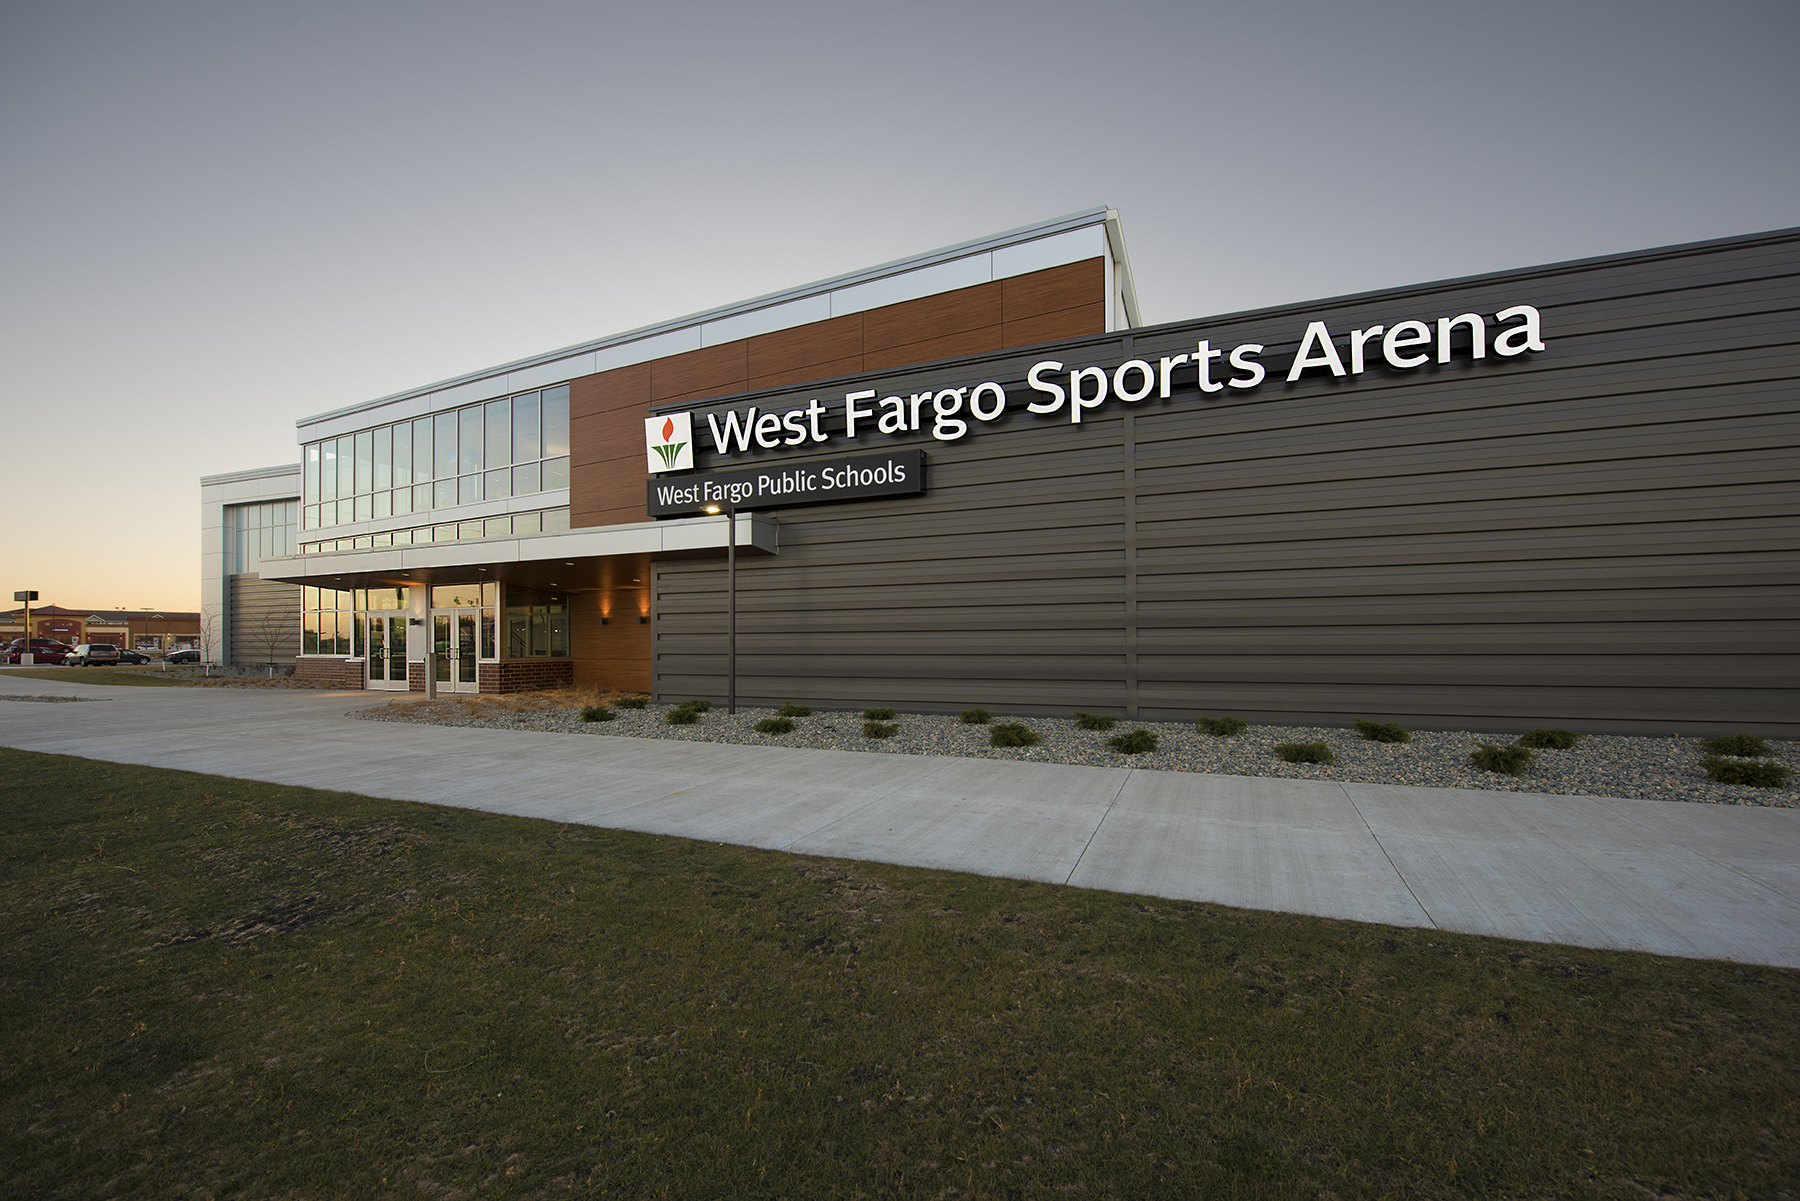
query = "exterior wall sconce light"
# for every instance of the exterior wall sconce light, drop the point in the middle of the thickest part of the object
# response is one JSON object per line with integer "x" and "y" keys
{"x": 643, "y": 620}
{"x": 603, "y": 621}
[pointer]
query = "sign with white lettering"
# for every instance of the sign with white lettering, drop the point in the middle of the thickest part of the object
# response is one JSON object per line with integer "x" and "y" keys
{"x": 1066, "y": 391}
{"x": 857, "y": 477}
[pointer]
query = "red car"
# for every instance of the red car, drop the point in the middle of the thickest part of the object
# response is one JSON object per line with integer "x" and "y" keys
{"x": 43, "y": 650}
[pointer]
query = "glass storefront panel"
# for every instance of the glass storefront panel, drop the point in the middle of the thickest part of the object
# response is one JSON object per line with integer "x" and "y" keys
{"x": 443, "y": 434}
{"x": 396, "y": 642}
{"x": 346, "y": 466}
{"x": 499, "y": 484}
{"x": 384, "y": 505}
{"x": 556, "y": 421}
{"x": 365, "y": 508}
{"x": 309, "y": 634}
{"x": 365, "y": 462}
{"x": 443, "y": 493}
{"x": 378, "y": 648}
{"x": 468, "y": 489}
{"x": 440, "y": 645}
{"x": 527, "y": 444}
{"x": 421, "y": 501}
{"x": 526, "y": 479}
{"x": 465, "y": 648}
{"x": 421, "y": 448}
{"x": 402, "y": 501}
{"x": 472, "y": 443}
{"x": 384, "y": 458}
{"x": 499, "y": 433}
{"x": 403, "y": 455}
{"x": 455, "y": 596}
{"x": 487, "y": 634}
{"x": 556, "y": 473}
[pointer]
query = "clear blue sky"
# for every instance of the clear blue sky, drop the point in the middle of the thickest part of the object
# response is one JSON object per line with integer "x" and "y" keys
{"x": 218, "y": 217}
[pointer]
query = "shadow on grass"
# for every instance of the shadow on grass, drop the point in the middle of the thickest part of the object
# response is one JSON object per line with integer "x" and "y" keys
{"x": 218, "y": 986}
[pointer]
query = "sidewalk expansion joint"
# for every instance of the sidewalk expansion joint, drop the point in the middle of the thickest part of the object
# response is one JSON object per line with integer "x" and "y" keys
{"x": 1398, "y": 874}
{"x": 1076, "y": 866}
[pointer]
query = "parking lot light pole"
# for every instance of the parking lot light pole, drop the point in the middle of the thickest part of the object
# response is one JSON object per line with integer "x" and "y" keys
{"x": 25, "y": 656}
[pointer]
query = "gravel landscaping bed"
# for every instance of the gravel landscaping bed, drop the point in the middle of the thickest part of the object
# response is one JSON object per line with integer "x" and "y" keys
{"x": 1651, "y": 768}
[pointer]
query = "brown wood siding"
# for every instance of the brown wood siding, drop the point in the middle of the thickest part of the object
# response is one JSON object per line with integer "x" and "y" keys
{"x": 606, "y": 411}
{"x": 1605, "y": 535}
{"x": 615, "y": 655}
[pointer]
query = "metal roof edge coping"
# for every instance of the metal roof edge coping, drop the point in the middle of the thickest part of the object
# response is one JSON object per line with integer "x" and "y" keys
{"x": 250, "y": 473}
{"x": 1024, "y": 233}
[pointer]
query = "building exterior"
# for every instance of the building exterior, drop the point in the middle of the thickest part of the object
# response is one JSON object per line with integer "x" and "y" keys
{"x": 144, "y": 630}
{"x": 1559, "y": 495}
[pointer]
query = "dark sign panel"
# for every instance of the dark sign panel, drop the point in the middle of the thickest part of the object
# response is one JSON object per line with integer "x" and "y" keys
{"x": 852, "y": 477}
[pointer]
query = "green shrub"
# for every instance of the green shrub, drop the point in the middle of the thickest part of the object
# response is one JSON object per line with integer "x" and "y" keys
{"x": 774, "y": 725}
{"x": 1011, "y": 733}
{"x": 1383, "y": 731}
{"x": 1305, "y": 752}
{"x": 698, "y": 706}
{"x": 1133, "y": 742}
{"x": 681, "y": 715}
{"x": 1744, "y": 746}
{"x": 1740, "y": 771}
{"x": 632, "y": 702}
{"x": 596, "y": 713}
{"x": 1552, "y": 737}
{"x": 881, "y": 729}
{"x": 792, "y": 710}
{"x": 1222, "y": 727}
{"x": 879, "y": 714}
{"x": 974, "y": 717}
{"x": 1093, "y": 721}
{"x": 1507, "y": 760}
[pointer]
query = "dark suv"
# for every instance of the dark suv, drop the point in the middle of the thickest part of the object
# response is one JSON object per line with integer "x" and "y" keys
{"x": 93, "y": 654}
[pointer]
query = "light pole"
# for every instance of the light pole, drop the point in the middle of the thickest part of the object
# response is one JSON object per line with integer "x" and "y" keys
{"x": 730, "y": 606}
{"x": 25, "y": 626}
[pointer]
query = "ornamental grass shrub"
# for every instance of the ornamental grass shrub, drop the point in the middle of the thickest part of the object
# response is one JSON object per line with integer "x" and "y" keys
{"x": 1222, "y": 727}
{"x": 1305, "y": 752}
{"x": 632, "y": 702}
{"x": 881, "y": 729}
{"x": 1093, "y": 721}
{"x": 879, "y": 714}
{"x": 1383, "y": 731}
{"x": 698, "y": 706}
{"x": 682, "y": 715}
{"x": 974, "y": 717}
{"x": 596, "y": 713}
{"x": 1133, "y": 742}
{"x": 775, "y": 725}
{"x": 792, "y": 710}
{"x": 1507, "y": 760}
{"x": 1553, "y": 738}
{"x": 1011, "y": 733}
{"x": 1743, "y": 746}
{"x": 1750, "y": 772}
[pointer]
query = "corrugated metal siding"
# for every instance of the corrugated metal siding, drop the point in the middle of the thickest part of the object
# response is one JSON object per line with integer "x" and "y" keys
{"x": 1603, "y": 536}
{"x": 265, "y": 621}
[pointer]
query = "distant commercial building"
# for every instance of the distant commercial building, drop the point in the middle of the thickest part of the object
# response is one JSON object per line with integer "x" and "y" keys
{"x": 1557, "y": 495}
{"x": 146, "y": 630}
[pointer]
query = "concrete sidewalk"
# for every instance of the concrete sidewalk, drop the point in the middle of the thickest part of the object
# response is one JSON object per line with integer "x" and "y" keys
{"x": 1701, "y": 881}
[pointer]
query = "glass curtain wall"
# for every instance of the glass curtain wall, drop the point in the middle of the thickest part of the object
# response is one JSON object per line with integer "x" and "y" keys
{"x": 254, "y": 532}
{"x": 514, "y": 446}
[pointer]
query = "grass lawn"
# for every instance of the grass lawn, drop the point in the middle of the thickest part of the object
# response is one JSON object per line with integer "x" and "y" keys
{"x": 128, "y": 676}
{"x": 214, "y": 987}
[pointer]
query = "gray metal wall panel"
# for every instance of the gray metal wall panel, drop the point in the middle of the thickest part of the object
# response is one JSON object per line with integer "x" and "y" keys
{"x": 265, "y": 621}
{"x": 1605, "y": 535}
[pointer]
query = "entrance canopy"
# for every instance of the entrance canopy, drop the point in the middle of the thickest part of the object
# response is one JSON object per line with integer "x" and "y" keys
{"x": 540, "y": 560}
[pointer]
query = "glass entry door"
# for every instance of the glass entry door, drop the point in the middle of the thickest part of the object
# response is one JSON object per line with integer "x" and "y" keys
{"x": 387, "y": 651}
{"x": 454, "y": 640}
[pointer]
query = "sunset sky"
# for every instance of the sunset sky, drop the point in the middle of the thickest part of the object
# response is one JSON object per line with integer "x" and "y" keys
{"x": 220, "y": 217}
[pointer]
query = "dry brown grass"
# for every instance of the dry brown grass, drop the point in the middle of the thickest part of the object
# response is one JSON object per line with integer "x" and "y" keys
{"x": 478, "y": 707}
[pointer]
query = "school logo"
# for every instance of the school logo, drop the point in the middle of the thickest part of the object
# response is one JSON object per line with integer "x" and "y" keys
{"x": 669, "y": 442}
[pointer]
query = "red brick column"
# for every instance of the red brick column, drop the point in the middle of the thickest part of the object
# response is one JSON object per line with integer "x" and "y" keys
{"x": 349, "y": 674}
{"x": 524, "y": 675}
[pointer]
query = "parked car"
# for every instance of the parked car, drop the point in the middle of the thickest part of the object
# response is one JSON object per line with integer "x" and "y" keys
{"x": 186, "y": 655}
{"x": 43, "y": 650}
{"x": 93, "y": 654}
{"x": 136, "y": 658}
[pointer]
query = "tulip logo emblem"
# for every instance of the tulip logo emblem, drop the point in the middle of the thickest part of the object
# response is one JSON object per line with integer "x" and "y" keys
{"x": 669, "y": 442}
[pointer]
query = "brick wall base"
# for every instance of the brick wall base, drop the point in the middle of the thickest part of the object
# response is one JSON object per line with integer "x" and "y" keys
{"x": 524, "y": 675}
{"x": 349, "y": 674}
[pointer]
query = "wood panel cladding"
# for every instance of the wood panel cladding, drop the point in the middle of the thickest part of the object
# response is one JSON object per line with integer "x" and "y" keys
{"x": 606, "y": 410}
